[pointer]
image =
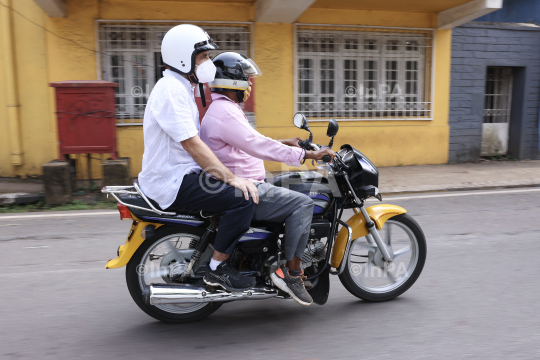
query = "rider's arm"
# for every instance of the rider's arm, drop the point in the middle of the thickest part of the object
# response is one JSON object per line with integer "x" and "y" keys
{"x": 206, "y": 159}
{"x": 236, "y": 131}
{"x": 174, "y": 113}
{"x": 291, "y": 142}
{"x": 317, "y": 155}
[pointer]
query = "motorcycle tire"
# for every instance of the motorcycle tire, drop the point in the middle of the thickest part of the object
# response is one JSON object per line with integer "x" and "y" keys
{"x": 347, "y": 277}
{"x": 132, "y": 279}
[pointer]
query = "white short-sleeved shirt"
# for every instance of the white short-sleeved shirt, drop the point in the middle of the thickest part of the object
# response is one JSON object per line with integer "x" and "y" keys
{"x": 171, "y": 116}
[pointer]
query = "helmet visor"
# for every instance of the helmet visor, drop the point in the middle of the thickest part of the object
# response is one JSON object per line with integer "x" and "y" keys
{"x": 205, "y": 45}
{"x": 240, "y": 67}
{"x": 250, "y": 68}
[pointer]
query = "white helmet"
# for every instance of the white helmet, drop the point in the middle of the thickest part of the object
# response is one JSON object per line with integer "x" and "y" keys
{"x": 179, "y": 47}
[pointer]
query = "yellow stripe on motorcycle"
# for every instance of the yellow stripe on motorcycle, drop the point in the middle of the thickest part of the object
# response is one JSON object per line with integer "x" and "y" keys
{"x": 378, "y": 213}
{"x": 133, "y": 241}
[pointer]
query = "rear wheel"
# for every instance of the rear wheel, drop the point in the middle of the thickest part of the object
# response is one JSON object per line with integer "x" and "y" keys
{"x": 368, "y": 277}
{"x": 158, "y": 260}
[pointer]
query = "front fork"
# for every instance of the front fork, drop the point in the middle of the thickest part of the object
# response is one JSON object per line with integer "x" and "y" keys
{"x": 375, "y": 237}
{"x": 386, "y": 252}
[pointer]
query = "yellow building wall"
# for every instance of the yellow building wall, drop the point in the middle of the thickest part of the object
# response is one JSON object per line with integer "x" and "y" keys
{"x": 36, "y": 121}
{"x": 43, "y": 57}
{"x": 5, "y": 158}
{"x": 386, "y": 143}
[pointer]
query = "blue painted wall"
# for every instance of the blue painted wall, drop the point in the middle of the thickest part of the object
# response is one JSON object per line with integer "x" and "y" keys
{"x": 475, "y": 46}
{"x": 515, "y": 11}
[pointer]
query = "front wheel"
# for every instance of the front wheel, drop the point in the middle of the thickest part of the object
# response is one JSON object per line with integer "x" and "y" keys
{"x": 369, "y": 278}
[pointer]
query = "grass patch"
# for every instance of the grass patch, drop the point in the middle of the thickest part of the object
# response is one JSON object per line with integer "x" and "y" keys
{"x": 40, "y": 206}
{"x": 500, "y": 158}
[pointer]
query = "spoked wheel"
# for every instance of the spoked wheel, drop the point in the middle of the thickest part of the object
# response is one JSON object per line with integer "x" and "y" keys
{"x": 368, "y": 277}
{"x": 160, "y": 260}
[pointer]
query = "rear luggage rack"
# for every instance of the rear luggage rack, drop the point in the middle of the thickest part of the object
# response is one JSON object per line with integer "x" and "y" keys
{"x": 133, "y": 190}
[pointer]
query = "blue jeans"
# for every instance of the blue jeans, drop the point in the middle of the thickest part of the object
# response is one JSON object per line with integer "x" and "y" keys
{"x": 200, "y": 192}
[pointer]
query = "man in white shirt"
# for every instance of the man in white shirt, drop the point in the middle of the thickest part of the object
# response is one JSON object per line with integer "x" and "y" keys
{"x": 174, "y": 155}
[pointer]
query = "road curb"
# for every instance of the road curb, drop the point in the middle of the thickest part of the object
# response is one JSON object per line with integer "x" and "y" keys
{"x": 463, "y": 188}
{"x": 20, "y": 198}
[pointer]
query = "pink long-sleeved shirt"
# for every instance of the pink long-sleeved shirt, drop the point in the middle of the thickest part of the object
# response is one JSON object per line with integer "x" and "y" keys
{"x": 226, "y": 130}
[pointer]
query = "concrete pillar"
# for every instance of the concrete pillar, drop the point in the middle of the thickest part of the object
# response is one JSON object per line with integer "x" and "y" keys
{"x": 117, "y": 172}
{"x": 58, "y": 182}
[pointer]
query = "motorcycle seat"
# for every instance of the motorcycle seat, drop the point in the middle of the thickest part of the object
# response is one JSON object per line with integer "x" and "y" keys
{"x": 137, "y": 200}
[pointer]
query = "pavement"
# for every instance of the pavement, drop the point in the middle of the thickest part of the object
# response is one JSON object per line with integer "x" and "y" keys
{"x": 468, "y": 176}
{"x": 15, "y": 185}
{"x": 393, "y": 180}
{"x": 474, "y": 299}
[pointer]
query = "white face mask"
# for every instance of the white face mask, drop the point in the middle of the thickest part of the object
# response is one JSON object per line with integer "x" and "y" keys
{"x": 206, "y": 72}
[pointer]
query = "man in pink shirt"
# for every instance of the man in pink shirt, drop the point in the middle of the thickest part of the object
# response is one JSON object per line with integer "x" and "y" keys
{"x": 226, "y": 130}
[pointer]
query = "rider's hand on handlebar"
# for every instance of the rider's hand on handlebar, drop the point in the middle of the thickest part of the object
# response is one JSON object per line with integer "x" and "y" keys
{"x": 247, "y": 187}
{"x": 318, "y": 155}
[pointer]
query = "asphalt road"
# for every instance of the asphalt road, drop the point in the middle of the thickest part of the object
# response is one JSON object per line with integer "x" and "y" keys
{"x": 477, "y": 297}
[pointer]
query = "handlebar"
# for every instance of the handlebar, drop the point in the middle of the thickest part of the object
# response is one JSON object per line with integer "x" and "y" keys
{"x": 308, "y": 145}
{"x": 325, "y": 158}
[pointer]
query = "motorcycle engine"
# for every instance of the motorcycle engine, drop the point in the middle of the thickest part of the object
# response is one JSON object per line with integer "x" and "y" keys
{"x": 314, "y": 253}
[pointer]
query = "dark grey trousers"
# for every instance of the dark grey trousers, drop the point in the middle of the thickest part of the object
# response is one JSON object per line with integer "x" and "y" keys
{"x": 278, "y": 204}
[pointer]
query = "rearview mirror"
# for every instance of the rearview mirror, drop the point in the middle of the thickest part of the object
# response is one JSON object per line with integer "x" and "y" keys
{"x": 333, "y": 128}
{"x": 300, "y": 121}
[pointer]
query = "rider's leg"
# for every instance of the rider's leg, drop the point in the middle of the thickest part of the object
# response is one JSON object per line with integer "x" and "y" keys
{"x": 294, "y": 264}
{"x": 297, "y": 227}
{"x": 235, "y": 213}
{"x": 295, "y": 209}
{"x": 219, "y": 256}
{"x": 204, "y": 193}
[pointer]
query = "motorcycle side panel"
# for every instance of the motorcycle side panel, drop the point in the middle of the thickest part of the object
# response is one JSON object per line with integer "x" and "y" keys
{"x": 378, "y": 213}
{"x": 255, "y": 234}
{"x": 320, "y": 202}
{"x": 126, "y": 251}
{"x": 254, "y": 240}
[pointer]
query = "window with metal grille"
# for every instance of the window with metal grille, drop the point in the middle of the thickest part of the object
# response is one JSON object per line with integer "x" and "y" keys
{"x": 130, "y": 55}
{"x": 497, "y": 110}
{"x": 498, "y": 96}
{"x": 363, "y": 73}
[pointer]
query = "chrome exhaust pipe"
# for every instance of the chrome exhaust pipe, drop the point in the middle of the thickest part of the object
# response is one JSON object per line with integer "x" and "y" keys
{"x": 157, "y": 294}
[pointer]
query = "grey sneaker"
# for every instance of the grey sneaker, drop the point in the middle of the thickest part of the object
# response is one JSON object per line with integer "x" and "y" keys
{"x": 292, "y": 285}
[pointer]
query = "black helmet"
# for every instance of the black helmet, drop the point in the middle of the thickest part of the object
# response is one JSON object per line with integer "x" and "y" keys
{"x": 233, "y": 71}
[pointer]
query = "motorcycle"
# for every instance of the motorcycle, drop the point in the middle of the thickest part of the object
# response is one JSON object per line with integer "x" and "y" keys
{"x": 378, "y": 253}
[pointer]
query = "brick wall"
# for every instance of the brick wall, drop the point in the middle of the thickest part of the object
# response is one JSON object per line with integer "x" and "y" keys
{"x": 475, "y": 46}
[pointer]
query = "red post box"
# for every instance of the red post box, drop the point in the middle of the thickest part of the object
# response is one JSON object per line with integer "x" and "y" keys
{"x": 86, "y": 117}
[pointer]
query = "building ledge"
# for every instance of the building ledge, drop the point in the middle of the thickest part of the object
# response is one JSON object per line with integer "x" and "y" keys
{"x": 501, "y": 25}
